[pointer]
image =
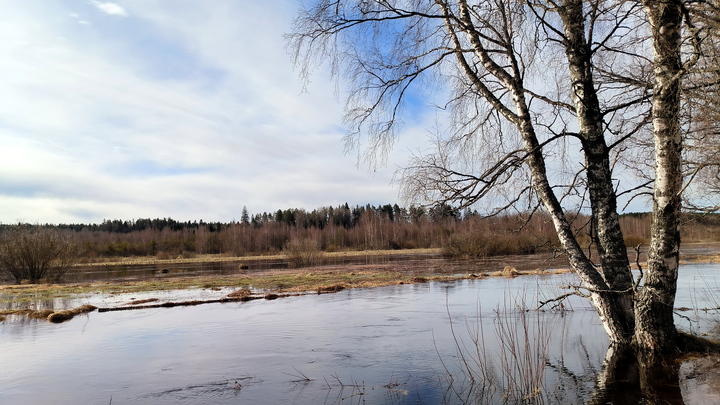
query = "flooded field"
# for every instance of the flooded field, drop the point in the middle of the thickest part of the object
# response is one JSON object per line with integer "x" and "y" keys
{"x": 426, "y": 343}
{"x": 411, "y": 262}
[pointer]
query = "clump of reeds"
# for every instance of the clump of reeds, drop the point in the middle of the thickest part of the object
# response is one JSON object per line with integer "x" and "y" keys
{"x": 243, "y": 292}
{"x": 304, "y": 252}
{"x": 515, "y": 371}
{"x": 510, "y": 272}
{"x": 41, "y": 314}
{"x": 330, "y": 288}
{"x": 66, "y": 315}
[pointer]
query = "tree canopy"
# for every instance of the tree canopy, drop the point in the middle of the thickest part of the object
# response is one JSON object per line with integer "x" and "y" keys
{"x": 559, "y": 106}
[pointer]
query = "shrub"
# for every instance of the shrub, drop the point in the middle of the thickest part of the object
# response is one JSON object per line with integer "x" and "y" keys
{"x": 187, "y": 255}
{"x": 483, "y": 243}
{"x": 633, "y": 240}
{"x": 33, "y": 252}
{"x": 303, "y": 252}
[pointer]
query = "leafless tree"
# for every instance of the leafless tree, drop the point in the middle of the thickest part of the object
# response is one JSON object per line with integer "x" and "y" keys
{"x": 34, "y": 252}
{"x": 545, "y": 98}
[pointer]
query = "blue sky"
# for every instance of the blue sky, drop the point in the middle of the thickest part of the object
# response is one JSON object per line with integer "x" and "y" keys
{"x": 154, "y": 108}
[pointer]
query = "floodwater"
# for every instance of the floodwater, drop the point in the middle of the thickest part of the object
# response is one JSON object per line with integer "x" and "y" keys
{"x": 436, "y": 262}
{"x": 434, "y": 343}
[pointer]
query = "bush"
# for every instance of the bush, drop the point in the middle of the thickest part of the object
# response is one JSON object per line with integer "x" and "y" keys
{"x": 483, "y": 243}
{"x": 33, "y": 252}
{"x": 303, "y": 252}
{"x": 633, "y": 240}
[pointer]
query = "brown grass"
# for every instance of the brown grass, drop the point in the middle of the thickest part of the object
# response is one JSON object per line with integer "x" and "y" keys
{"x": 331, "y": 288}
{"x": 62, "y": 316}
{"x": 213, "y": 258}
{"x": 509, "y": 272}
{"x": 243, "y": 292}
{"x": 49, "y": 314}
{"x": 30, "y": 313}
{"x": 140, "y": 302}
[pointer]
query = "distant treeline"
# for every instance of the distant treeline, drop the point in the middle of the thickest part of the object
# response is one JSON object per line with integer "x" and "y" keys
{"x": 464, "y": 234}
{"x": 343, "y": 216}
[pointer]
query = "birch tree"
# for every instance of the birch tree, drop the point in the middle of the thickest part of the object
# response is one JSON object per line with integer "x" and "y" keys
{"x": 547, "y": 98}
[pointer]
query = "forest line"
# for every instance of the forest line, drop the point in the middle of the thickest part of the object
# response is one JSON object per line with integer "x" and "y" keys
{"x": 344, "y": 228}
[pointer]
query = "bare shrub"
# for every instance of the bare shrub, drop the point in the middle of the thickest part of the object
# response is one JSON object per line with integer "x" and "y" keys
{"x": 482, "y": 243}
{"x": 33, "y": 253}
{"x": 634, "y": 240}
{"x": 187, "y": 255}
{"x": 303, "y": 252}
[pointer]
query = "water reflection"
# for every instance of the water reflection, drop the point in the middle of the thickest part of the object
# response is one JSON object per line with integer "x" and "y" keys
{"x": 390, "y": 345}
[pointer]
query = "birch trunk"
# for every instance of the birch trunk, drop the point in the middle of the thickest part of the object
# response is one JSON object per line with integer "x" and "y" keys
{"x": 655, "y": 328}
{"x": 611, "y": 309}
{"x": 614, "y": 263}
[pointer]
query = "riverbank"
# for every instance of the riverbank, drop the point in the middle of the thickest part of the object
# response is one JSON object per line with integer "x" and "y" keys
{"x": 416, "y": 266}
{"x": 324, "y": 278}
{"x": 124, "y": 261}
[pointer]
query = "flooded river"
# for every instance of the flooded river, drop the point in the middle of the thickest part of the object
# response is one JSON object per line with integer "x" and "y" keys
{"x": 409, "y": 344}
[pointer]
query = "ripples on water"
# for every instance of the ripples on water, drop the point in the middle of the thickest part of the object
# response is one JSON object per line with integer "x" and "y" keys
{"x": 389, "y": 345}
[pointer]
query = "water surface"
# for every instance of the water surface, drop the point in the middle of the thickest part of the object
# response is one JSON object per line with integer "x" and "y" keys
{"x": 371, "y": 346}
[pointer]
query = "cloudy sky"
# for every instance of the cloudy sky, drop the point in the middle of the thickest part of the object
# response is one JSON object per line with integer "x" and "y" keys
{"x": 153, "y": 108}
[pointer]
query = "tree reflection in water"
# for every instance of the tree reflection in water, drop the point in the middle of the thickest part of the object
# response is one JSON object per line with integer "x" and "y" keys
{"x": 526, "y": 366}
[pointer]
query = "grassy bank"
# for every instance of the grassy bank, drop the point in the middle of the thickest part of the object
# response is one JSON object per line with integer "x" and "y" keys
{"x": 216, "y": 258}
{"x": 327, "y": 278}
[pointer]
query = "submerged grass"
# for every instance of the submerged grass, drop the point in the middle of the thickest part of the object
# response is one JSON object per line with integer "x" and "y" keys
{"x": 49, "y": 314}
{"x": 285, "y": 281}
{"x": 319, "y": 279}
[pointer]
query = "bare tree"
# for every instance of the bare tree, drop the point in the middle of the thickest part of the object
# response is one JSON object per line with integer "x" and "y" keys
{"x": 546, "y": 98}
{"x": 34, "y": 252}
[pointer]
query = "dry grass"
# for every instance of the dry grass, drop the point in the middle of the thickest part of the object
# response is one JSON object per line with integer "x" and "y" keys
{"x": 141, "y": 302}
{"x": 66, "y": 315}
{"x": 49, "y": 314}
{"x": 313, "y": 279}
{"x": 121, "y": 261}
{"x": 243, "y": 292}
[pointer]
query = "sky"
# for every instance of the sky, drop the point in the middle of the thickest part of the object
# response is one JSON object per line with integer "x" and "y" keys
{"x": 185, "y": 109}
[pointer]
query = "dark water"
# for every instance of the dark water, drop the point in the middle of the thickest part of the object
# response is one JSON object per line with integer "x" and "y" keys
{"x": 410, "y": 344}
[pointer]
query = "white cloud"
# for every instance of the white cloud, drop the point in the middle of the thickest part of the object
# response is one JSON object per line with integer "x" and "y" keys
{"x": 76, "y": 17}
{"x": 110, "y": 8}
{"x": 190, "y": 111}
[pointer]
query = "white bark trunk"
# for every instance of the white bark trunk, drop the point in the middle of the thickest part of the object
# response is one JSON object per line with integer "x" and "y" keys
{"x": 655, "y": 328}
